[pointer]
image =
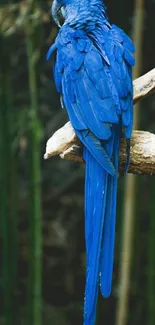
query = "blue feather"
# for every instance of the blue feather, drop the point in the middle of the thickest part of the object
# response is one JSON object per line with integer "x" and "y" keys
{"x": 129, "y": 57}
{"x": 96, "y": 149}
{"x": 50, "y": 51}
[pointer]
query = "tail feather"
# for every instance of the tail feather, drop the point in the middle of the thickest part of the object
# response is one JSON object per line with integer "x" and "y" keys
{"x": 95, "y": 198}
{"x": 100, "y": 215}
{"x": 107, "y": 251}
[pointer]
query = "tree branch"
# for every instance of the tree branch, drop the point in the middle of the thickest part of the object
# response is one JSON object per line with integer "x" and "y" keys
{"x": 144, "y": 86}
{"x": 65, "y": 143}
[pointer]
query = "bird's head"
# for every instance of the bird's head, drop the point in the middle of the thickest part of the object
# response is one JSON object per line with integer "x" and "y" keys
{"x": 61, "y": 8}
{"x": 70, "y": 10}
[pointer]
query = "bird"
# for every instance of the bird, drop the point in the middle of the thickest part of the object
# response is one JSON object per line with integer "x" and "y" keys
{"x": 92, "y": 69}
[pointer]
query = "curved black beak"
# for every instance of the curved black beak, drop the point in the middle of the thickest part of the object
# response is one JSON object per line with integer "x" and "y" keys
{"x": 56, "y": 12}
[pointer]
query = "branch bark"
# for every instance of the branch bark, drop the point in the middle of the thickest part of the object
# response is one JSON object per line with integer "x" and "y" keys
{"x": 65, "y": 143}
{"x": 144, "y": 86}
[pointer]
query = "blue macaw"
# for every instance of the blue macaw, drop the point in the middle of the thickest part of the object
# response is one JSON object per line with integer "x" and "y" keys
{"x": 93, "y": 74}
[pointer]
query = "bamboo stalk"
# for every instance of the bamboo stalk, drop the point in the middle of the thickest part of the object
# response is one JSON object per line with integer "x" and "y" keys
{"x": 10, "y": 180}
{"x": 13, "y": 196}
{"x": 35, "y": 259}
{"x": 130, "y": 190}
{"x": 5, "y": 148}
{"x": 14, "y": 235}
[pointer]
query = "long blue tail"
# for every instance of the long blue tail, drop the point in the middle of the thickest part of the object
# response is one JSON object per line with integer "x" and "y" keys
{"x": 108, "y": 239}
{"x": 100, "y": 215}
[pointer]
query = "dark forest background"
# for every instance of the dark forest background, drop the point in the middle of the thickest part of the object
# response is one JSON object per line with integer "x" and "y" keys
{"x": 42, "y": 248}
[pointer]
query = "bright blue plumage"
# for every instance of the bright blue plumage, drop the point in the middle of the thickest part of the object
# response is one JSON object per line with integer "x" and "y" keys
{"x": 92, "y": 72}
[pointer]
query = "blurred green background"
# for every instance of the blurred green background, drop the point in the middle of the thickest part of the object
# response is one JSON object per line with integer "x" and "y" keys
{"x": 42, "y": 248}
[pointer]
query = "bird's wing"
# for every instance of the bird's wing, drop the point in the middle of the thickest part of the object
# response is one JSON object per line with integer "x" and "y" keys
{"x": 94, "y": 76}
{"x": 117, "y": 50}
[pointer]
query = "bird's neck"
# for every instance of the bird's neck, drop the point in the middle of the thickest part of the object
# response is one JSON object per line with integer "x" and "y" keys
{"x": 88, "y": 14}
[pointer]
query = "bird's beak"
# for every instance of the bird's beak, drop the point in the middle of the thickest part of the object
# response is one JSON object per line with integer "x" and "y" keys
{"x": 56, "y": 12}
